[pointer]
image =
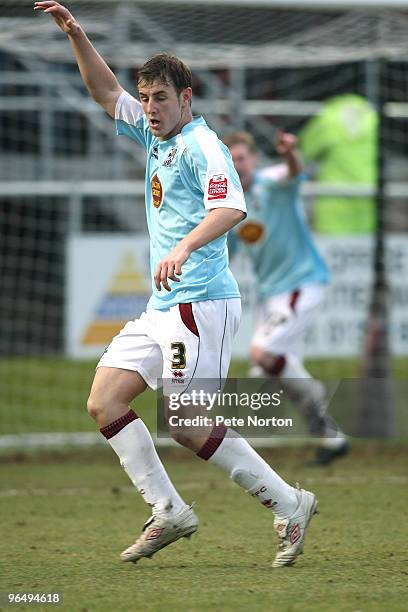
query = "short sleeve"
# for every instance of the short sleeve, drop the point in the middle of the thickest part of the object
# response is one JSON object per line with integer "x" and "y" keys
{"x": 130, "y": 119}
{"x": 214, "y": 171}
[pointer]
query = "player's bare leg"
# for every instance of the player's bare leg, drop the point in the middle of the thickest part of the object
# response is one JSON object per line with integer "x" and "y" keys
{"x": 309, "y": 395}
{"x": 112, "y": 391}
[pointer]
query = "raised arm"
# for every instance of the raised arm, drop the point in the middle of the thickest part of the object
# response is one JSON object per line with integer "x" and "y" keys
{"x": 286, "y": 146}
{"x": 99, "y": 79}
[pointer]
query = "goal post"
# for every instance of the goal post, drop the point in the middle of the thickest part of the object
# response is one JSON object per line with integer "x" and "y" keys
{"x": 376, "y": 418}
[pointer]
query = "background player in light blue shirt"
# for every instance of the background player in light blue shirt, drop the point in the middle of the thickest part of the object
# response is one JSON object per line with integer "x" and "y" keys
{"x": 193, "y": 197}
{"x": 275, "y": 235}
{"x": 290, "y": 277}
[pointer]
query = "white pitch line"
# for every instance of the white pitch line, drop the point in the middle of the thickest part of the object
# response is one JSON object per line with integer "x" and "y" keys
{"x": 318, "y": 480}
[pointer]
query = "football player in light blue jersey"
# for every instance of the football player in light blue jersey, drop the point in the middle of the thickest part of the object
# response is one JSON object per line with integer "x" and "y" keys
{"x": 183, "y": 172}
{"x": 290, "y": 277}
{"x": 193, "y": 197}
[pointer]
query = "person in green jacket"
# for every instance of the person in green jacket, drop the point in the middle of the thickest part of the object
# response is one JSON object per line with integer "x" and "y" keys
{"x": 342, "y": 138}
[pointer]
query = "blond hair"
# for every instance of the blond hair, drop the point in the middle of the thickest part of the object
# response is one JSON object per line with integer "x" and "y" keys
{"x": 240, "y": 137}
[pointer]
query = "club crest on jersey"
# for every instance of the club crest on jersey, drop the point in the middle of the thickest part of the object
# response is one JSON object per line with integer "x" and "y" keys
{"x": 251, "y": 232}
{"x": 217, "y": 187}
{"x": 157, "y": 191}
{"x": 170, "y": 157}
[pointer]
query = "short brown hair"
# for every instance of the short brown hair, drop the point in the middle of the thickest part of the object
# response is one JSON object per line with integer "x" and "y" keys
{"x": 240, "y": 137}
{"x": 168, "y": 69}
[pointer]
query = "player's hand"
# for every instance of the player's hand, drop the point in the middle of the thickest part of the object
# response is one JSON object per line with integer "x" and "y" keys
{"x": 170, "y": 267}
{"x": 62, "y": 16}
{"x": 285, "y": 142}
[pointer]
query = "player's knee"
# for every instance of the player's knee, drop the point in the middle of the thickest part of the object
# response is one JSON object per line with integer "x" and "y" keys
{"x": 272, "y": 364}
{"x": 257, "y": 355}
{"x": 96, "y": 407}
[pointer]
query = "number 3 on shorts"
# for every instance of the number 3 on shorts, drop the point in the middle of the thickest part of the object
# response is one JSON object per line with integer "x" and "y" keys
{"x": 179, "y": 356}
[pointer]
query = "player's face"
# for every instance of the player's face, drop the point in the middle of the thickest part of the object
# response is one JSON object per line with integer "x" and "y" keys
{"x": 245, "y": 162}
{"x": 166, "y": 110}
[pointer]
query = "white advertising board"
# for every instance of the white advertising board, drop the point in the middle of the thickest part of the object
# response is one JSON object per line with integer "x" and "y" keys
{"x": 108, "y": 284}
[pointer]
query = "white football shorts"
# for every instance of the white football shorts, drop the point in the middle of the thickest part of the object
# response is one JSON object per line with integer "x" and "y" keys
{"x": 186, "y": 342}
{"x": 281, "y": 320}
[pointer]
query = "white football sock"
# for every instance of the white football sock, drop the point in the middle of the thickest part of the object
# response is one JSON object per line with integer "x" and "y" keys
{"x": 134, "y": 446}
{"x": 252, "y": 473}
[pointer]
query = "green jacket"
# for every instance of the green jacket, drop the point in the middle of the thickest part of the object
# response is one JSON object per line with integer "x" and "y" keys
{"x": 342, "y": 138}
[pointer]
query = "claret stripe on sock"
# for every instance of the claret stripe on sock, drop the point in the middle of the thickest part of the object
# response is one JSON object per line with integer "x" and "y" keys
{"x": 216, "y": 437}
{"x": 111, "y": 430}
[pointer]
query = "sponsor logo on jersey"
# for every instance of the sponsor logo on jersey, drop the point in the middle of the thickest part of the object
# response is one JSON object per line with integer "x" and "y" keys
{"x": 157, "y": 191}
{"x": 217, "y": 187}
{"x": 170, "y": 157}
{"x": 251, "y": 232}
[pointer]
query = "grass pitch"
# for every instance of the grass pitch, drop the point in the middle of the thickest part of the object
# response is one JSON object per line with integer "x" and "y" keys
{"x": 49, "y": 394}
{"x": 68, "y": 516}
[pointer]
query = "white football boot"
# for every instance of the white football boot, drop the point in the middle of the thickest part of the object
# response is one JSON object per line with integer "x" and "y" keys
{"x": 159, "y": 531}
{"x": 292, "y": 531}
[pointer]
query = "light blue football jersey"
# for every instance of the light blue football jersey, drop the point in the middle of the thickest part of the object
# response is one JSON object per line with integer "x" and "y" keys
{"x": 276, "y": 236}
{"x": 186, "y": 176}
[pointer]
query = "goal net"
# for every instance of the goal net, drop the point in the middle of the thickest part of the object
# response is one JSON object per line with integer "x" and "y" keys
{"x": 73, "y": 247}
